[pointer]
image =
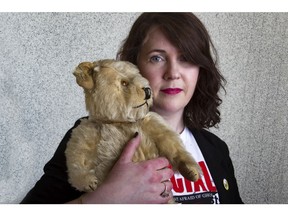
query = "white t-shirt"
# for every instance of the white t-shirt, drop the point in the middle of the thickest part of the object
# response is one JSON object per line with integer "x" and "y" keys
{"x": 202, "y": 191}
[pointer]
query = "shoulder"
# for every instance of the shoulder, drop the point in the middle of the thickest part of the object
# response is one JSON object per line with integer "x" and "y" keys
{"x": 208, "y": 135}
{"x": 207, "y": 139}
{"x": 77, "y": 123}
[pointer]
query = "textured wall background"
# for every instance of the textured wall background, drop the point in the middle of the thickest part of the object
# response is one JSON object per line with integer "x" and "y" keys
{"x": 40, "y": 100}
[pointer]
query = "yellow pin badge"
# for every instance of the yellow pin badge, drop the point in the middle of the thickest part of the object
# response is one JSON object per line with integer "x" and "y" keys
{"x": 225, "y": 184}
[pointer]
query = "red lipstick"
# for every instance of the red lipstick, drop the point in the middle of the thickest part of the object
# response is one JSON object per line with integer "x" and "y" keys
{"x": 171, "y": 91}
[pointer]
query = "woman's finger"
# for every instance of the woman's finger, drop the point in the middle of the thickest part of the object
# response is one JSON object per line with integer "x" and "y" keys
{"x": 130, "y": 149}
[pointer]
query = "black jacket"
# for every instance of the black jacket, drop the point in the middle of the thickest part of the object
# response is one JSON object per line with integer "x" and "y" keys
{"x": 53, "y": 187}
{"x": 216, "y": 155}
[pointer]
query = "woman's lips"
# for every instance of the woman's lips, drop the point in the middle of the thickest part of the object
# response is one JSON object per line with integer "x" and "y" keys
{"x": 171, "y": 91}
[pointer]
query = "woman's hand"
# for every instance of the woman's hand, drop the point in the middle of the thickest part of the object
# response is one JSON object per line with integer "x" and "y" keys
{"x": 130, "y": 182}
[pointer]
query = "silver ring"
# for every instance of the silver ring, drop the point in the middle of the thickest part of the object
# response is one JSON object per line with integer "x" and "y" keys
{"x": 165, "y": 193}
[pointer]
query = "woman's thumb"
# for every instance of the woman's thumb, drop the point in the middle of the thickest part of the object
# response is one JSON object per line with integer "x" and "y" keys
{"x": 130, "y": 149}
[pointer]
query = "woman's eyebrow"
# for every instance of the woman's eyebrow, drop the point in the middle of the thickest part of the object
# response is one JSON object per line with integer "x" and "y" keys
{"x": 156, "y": 50}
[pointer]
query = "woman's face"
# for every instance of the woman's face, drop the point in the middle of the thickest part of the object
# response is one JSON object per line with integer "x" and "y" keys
{"x": 172, "y": 78}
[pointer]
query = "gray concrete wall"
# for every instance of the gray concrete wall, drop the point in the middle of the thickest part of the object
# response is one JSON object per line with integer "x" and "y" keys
{"x": 40, "y": 100}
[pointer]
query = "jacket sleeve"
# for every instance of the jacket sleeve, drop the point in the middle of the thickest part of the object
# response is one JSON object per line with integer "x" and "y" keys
{"x": 234, "y": 195}
{"x": 53, "y": 187}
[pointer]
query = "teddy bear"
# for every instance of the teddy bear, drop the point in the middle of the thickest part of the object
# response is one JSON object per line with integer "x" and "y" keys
{"x": 118, "y": 100}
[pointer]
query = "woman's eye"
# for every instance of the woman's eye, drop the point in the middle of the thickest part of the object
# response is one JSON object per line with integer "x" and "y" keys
{"x": 156, "y": 59}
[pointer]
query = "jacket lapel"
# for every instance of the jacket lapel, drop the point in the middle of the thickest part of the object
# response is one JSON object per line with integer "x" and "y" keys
{"x": 213, "y": 159}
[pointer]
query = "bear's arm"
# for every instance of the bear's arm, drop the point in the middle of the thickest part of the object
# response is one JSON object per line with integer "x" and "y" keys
{"x": 168, "y": 142}
{"x": 169, "y": 145}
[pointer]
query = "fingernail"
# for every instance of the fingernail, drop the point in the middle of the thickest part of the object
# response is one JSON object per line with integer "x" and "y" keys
{"x": 135, "y": 135}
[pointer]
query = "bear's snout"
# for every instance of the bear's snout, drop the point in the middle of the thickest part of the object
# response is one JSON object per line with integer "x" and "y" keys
{"x": 147, "y": 91}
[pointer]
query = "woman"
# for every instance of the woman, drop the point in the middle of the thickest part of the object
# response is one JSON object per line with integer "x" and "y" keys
{"x": 173, "y": 51}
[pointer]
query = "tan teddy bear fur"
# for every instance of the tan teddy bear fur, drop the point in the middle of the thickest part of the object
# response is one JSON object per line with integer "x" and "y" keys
{"x": 118, "y": 99}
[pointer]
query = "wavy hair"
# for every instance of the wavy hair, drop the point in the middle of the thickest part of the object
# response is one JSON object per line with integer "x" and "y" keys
{"x": 189, "y": 35}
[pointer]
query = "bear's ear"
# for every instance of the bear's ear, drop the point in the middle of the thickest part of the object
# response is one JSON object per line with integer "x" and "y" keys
{"x": 83, "y": 74}
{"x": 97, "y": 67}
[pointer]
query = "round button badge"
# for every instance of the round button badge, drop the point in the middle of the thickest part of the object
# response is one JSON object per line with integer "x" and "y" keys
{"x": 225, "y": 183}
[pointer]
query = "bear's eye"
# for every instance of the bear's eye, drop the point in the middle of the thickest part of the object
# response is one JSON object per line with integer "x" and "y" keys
{"x": 124, "y": 83}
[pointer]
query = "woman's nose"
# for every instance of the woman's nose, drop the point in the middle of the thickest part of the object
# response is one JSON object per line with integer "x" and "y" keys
{"x": 172, "y": 71}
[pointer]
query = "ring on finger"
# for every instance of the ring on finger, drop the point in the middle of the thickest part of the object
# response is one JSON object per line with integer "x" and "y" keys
{"x": 164, "y": 193}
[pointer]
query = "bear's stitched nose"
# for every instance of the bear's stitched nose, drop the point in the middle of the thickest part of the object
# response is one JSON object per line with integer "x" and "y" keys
{"x": 147, "y": 91}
